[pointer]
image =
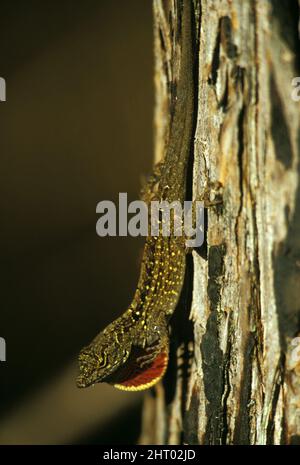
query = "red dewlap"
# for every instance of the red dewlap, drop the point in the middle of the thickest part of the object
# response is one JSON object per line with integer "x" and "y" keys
{"x": 134, "y": 378}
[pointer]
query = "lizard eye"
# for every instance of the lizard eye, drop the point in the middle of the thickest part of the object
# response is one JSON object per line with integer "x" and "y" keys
{"x": 125, "y": 355}
{"x": 102, "y": 361}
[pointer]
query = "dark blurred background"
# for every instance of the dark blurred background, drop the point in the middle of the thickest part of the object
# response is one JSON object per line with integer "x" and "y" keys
{"x": 76, "y": 129}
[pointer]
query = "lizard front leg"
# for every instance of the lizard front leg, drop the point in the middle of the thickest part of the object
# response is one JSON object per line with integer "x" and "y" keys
{"x": 148, "y": 191}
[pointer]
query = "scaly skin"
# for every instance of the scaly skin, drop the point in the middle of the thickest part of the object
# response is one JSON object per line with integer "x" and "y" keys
{"x": 140, "y": 336}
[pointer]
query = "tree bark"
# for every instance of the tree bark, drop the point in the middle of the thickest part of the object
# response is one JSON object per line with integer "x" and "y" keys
{"x": 233, "y": 376}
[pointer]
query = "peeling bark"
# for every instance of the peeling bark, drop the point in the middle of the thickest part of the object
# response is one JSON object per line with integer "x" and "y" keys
{"x": 233, "y": 378}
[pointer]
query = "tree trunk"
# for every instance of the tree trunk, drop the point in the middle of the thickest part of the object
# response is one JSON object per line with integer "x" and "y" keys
{"x": 234, "y": 375}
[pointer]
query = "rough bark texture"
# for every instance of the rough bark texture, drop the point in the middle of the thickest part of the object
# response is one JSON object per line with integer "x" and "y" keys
{"x": 234, "y": 378}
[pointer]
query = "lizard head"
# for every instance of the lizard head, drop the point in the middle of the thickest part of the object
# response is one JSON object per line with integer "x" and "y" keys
{"x": 128, "y": 363}
{"x": 99, "y": 360}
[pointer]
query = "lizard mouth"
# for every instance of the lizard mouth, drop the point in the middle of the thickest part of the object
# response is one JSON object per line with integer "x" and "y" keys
{"x": 87, "y": 373}
{"x": 84, "y": 381}
{"x": 81, "y": 382}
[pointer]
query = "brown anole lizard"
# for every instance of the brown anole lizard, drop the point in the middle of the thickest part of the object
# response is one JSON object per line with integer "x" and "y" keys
{"x": 132, "y": 352}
